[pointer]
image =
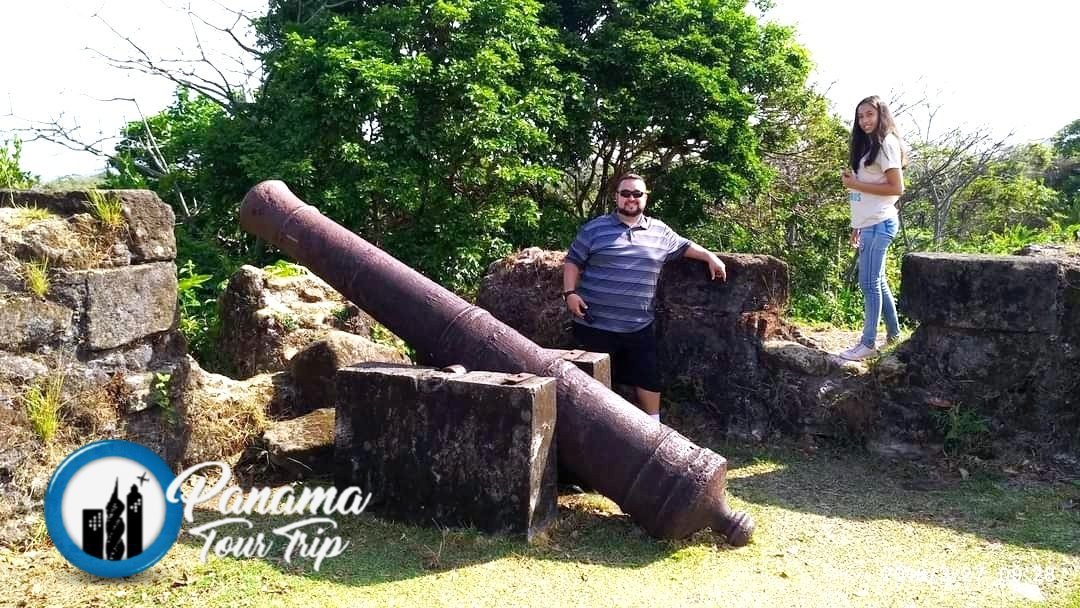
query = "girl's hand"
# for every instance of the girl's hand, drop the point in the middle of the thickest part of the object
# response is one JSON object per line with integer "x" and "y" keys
{"x": 855, "y": 238}
{"x": 848, "y": 178}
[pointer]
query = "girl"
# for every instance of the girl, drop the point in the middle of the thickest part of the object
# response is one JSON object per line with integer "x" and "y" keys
{"x": 875, "y": 181}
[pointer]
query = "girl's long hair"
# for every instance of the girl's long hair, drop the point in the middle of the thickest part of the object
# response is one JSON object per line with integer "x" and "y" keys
{"x": 868, "y": 145}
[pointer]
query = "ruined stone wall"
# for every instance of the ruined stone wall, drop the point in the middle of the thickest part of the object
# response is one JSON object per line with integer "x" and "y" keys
{"x": 710, "y": 332}
{"x": 999, "y": 338}
{"x": 994, "y": 364}
{"x": 111, "y": 300}
{"x": 98, "y": 327}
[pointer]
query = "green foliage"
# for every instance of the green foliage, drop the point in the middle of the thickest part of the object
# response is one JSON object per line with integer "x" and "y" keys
{"x": 842, "y": 307}
{"x": 1067, "y": 141}
{"x": 69, "y": 183}
{"x": 964, "y": 431}
{"x": 43, "y": 400}
{"x": 1009, "y": 240}
{"x": 107, "y": 208}
{"x": 688, "y": 93}
{"x": 341, "y": 314}
{"x": 1064, "y": 177}
{"x": 381, "y": 335}
{"x": 199, "y": 319}
{"x": 288, "y": 322}
{"x": 451, "y": 133}
{"x": 36, "y": 277}
{"x": 284, "y": 268}
{"x": 11, "y": 176}
{"x": 160, "y": 395}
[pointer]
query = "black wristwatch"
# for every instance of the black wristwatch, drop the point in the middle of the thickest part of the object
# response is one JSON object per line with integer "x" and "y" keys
{"x": 566, "y": 294}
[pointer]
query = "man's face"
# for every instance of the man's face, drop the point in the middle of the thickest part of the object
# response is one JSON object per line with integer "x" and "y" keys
{"x": 631, "y": 196}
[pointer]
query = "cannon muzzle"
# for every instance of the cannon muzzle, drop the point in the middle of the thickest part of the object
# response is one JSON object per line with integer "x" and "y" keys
{"x": 669, "y": 485}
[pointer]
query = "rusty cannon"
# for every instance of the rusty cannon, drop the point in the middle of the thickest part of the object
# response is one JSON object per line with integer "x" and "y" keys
{"x": 670, "y": 486}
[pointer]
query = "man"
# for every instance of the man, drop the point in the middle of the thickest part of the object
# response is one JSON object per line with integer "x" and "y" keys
{"x": 609, "y": 285}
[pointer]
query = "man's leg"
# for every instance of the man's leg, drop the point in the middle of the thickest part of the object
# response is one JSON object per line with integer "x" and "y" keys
{"x": 642, "y": 347}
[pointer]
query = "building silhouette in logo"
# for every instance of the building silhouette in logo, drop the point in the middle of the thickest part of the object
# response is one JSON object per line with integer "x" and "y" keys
{"x": 103, "y": 530}
{"x": 93, "y": 532}
{"x": 134, "y": 522}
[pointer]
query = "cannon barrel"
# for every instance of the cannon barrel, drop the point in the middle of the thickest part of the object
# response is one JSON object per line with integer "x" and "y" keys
{"x": 669, "y": 485}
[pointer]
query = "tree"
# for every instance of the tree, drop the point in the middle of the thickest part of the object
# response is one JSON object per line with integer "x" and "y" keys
{"x": 942, "y": 166}
{"x": 1065, "y": 174}
{"x": 688, "y": 93}
{"x": 11, "y": 176}
{"x": 451, "y": 132}
{"x": 423, "y": 126}
{"x": 1011, "y": 192}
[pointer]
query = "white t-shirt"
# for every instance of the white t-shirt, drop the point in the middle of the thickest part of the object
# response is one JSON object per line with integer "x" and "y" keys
{"x": 869, "y": 209}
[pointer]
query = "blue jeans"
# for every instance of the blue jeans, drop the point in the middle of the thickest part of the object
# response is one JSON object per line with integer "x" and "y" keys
{"x": 873, "y": 244}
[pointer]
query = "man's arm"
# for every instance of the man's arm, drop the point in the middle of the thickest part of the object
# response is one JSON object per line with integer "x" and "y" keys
{"x": 570, "y": 275}
{"x": 716, "y": 267}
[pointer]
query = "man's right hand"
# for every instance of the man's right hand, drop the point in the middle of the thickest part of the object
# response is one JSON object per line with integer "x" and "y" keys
{"x": 576, "y": 305}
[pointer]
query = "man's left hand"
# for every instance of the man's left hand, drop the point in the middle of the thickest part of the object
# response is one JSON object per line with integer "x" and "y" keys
{"x": 716, "y": 268}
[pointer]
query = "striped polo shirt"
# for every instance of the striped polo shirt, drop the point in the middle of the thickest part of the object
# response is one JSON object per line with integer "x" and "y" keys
{"x": 620, "y": 267}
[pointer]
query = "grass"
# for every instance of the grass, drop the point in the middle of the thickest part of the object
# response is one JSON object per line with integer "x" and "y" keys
{"x": 283, "y": 268}
{"x": 107, "y": 208}
{"x": 43, "y": 400}
{"x": 36, "y": 277}
{"x": 834, "y": 529}
{"x": 24, "y": 215}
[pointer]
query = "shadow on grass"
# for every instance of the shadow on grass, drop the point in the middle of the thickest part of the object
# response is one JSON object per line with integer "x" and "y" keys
{"x": 858, "y": 486}
{"x": 589, "y": 530}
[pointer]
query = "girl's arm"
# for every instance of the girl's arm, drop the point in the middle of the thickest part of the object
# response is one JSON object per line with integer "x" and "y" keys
{"x": 893, "y": 187}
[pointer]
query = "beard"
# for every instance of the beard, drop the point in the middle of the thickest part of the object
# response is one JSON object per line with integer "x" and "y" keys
{"x": 628, "y": 212}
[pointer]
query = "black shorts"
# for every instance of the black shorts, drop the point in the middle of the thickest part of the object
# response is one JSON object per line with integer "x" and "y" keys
{"x": 633, "y": 355}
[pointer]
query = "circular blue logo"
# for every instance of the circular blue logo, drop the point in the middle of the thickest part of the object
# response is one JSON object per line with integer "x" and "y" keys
{"x": 106, "y": 510}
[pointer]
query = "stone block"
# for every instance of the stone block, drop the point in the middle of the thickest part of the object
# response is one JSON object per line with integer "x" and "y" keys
{"x": 267, "y": 320}
{"x": 20, "y": 369}
{"x": 754, "y": 283}
{"x": 303, "y": 446}
{"x": 313, "y": 368}
{"x": 984, "y": 292}
{"x": 460, "y": 449}
{"x": 125, "y": 304}
{"x": 27, "y": 321}
{"x": 150, "y": 226}
{"x": 597, "y": 365}
{"x": 150, "y": 221}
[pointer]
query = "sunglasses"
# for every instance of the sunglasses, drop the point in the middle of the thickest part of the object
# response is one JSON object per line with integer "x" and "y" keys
{"x": 632, "y": 193}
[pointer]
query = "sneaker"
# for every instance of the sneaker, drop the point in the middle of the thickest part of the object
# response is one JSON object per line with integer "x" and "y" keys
{"x": 858, "y": 353}
{"x": 890, "y": 340}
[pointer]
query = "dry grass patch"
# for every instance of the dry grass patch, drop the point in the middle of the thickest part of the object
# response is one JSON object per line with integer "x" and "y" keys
{"x": 221, "y": 416}
{"x": 17, "y": 217}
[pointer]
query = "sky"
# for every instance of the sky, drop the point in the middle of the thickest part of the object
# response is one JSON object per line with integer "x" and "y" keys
{"x": 1005, "y": 66}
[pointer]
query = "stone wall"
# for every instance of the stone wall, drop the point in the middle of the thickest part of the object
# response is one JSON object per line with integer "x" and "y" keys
{"x": 100, "y": 329}
{"x": 993, "y": 366}
{"x": 111, "y": 302}
{"x": 710, "y": 332}
{"x": 999, "y": 337}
